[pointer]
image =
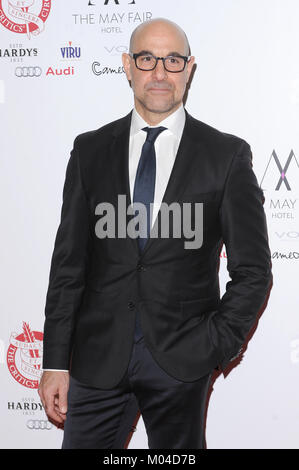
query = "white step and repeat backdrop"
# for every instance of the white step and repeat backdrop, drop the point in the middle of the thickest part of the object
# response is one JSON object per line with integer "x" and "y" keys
{"x": 60, "y": 75}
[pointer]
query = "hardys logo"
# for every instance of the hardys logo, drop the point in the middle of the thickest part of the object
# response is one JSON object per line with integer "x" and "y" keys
{"x": 24, "y": 16}
{"x": 25, "y": 353}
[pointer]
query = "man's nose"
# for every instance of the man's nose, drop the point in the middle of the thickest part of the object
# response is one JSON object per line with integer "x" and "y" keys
{"x": 159, "y": 71}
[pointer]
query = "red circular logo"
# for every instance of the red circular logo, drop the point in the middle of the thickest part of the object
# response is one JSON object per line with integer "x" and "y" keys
{"x": 24, "y": 356}
{"x": 24, "y": 16}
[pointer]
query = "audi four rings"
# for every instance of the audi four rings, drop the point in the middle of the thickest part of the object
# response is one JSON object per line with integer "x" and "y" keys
{"x": 39, "y": 424}
{"x": 28, "y": 71}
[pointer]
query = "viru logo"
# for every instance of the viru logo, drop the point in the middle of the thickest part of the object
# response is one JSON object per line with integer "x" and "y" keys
{"x": 70, "y": 52}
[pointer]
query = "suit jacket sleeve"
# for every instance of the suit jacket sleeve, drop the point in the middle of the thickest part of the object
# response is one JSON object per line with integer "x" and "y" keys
{"x": 68, "y": 267}
{"x": 245, "y": 237}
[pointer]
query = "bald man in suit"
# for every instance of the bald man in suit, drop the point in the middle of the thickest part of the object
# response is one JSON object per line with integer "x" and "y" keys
{"x": 137, "y": 325}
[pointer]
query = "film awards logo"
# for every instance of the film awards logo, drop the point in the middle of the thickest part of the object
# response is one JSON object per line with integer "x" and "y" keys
{"x": 24, "y": 16}
{"x": 24, "y": 356}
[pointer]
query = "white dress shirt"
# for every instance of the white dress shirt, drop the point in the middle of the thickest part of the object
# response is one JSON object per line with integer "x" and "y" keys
{"x": 166, "y": 147}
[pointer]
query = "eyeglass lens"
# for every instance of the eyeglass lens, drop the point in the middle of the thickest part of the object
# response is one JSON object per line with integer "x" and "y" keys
{"x": 172, "y": 63}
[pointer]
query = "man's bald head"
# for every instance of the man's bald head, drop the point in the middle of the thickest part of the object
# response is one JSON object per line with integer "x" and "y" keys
{"x": 158, "y": 92}
{"x": 159, "y": 23}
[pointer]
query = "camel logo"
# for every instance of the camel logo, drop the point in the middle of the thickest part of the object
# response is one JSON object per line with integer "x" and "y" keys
{"x": 24, "y": 16}
{"x": 270, "y": 176}
{"x": 24, "y": 356}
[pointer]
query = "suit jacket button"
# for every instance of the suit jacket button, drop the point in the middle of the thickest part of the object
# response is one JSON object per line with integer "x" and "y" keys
{"x": 140, "y": 267}
{"x": 131, "y": 305}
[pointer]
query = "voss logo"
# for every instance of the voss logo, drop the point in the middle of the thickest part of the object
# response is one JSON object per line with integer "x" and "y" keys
{"x": 279, "y": 176}
{"x": 116, "y": 50}
{"x": 28, "y": 71}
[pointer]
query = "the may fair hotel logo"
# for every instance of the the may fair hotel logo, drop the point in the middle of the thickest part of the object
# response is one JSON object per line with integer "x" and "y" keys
{"x": 280, "y": 185}
{"x": 24, "y": 16}
{"x": 280, "y": 180}
{"x": 111, "y": 16}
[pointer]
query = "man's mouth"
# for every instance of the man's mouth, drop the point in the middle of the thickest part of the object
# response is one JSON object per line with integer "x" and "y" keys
{"x": 159, "y": 90}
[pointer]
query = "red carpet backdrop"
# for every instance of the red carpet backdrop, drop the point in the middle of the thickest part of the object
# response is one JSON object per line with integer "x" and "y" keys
{"x": 60, "y": 75}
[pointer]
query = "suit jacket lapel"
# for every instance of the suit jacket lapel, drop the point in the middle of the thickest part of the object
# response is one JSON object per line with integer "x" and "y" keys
{"x": 119, "y": 153}
{"x": 120, "y": 163}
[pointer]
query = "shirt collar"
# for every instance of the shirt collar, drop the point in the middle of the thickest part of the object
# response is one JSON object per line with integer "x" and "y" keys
{"x": 174, "y": 122}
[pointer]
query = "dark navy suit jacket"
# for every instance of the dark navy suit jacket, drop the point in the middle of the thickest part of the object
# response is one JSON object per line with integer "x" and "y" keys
{"x": 97, "y": 285}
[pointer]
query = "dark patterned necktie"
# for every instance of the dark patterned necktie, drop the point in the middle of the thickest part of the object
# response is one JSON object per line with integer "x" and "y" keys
{"x": 144, "y": 190}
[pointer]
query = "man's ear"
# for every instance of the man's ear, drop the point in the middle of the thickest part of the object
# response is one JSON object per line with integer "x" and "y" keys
{"x": 190, "y": 67}
{"x": 126, "y": 60}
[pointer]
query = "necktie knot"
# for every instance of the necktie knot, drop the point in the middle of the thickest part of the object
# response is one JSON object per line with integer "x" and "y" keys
{"x": 153, "y": 132}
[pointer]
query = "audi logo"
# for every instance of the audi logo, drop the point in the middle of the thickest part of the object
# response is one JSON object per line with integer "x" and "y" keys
{"x": 39, "y": 424}
{"x": 28, "y": 71}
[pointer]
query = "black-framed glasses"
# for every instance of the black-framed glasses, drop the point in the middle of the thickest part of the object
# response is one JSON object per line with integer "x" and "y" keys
{"x": 172, "y": 63}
